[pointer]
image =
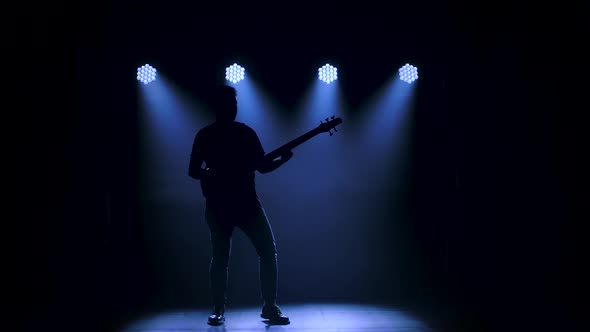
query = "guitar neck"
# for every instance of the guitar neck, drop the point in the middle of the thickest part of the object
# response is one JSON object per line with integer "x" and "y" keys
{"x": 292, "y": 144}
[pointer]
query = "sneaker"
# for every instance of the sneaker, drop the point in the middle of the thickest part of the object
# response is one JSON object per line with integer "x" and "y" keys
{"x": 274, "y": 315}
{"x": 217, "y": 316}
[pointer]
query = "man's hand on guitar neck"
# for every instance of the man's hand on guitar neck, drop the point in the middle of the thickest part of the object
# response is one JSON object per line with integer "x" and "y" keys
{"x": 286, "y": 156}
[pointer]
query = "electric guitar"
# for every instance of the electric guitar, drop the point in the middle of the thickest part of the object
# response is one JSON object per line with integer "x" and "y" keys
{"x": 324, "y": 127}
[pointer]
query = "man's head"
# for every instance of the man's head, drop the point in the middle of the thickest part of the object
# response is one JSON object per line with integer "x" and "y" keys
{"x": 225, "y": 103}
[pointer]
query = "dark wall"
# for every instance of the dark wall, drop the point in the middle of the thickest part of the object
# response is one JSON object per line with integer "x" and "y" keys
{"x": 511, "y": 96}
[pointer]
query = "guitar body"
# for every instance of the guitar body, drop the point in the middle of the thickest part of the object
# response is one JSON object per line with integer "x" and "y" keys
{"x": 225, "y": 185}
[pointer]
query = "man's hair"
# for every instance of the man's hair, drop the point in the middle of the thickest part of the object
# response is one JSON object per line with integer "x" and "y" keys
{"x": 224, "y": 95}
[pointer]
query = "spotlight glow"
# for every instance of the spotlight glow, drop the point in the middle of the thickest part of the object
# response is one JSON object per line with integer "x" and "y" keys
{"x": 408, "y": 73}
{"x": 234, "y": 73}
{"x": 146, "y": 74}
{"x": 328, "y": 73}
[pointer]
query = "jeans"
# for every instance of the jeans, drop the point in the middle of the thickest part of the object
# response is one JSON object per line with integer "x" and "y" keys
{"x": 254, "y": 223}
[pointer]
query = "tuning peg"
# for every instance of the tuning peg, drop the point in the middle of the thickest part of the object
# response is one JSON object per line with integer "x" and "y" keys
{"x": 327, "y": 119}
{"x": 331, "y": 133}
{"x": 333, "y": 116}
{"x": 335, "y": 129}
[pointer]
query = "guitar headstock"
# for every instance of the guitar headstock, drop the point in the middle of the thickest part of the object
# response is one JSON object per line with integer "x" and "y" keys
{"x": 330, "y": 124}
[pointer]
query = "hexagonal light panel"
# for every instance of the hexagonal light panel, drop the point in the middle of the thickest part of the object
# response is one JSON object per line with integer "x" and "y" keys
{"x": 327, "y": 73}
{"x": 146, "y": 74}
{"x": 234, "y": 73}
{"x": 408, "y": 73}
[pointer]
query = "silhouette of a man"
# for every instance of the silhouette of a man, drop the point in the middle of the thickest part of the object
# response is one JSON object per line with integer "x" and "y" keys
{"x": 232, "y": 153}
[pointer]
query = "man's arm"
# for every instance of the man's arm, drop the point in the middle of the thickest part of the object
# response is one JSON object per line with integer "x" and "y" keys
{"x": 196, "y": 159}
{"x": 268, "y": 166}
{"x": 262, "y": 164}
